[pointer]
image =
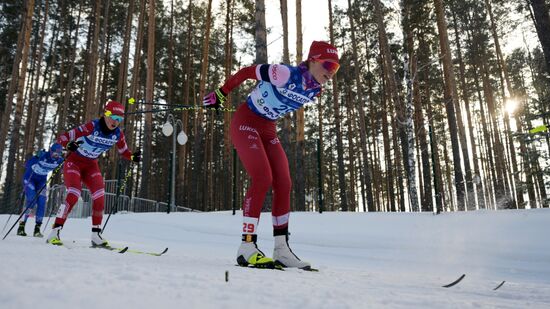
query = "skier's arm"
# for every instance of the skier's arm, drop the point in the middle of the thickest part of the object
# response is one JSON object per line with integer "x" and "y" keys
{"x": 276, "y": 74}
{"x": 30, "y": 162}
{"x": 122, "y": 147}
{"x": 74, "y": 134}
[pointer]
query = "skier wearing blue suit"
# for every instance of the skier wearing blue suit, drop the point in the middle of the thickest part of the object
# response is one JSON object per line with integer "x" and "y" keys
{"x": 37, "y": 169}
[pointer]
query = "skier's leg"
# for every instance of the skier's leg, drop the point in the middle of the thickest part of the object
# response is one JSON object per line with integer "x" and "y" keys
{"x": 282, "y": 254}
{"x": 247, "y": 141}
{"x": 72, "y": 176}
{"x": 30, "y": 194}
{"x": 41, "y": 203}
{"x": 282, "y": 183}
{"x": 40, "y": 210}
{"x": 94, "y": 182}
{"x": 254, "y": 159}
{"x": 73, "y": 183}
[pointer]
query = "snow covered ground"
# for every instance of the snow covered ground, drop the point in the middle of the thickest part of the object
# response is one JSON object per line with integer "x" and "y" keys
{"x": 366, "y": 260}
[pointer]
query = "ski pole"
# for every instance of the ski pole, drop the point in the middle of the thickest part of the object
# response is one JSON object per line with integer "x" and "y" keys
{"x": 16, "y": 203}
{"x": 49, "y": 217}
{"x": 55, "y": 171}
{"x": 171, "y": 107}
{"x": 119, "y": 192}
{"x": 187, "y": 108}
{"x": 19, "y": 199}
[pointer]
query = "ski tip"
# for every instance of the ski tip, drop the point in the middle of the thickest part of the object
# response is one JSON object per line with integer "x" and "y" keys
{"x": 123, "y": 250}
{"x": 455, "y": 282}
{"x": 498, "y": 286}
{"x": 163, "y": 252}
{"x": 309, "y": 268}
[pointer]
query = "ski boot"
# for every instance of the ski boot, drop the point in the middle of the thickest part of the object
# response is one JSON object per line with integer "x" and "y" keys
{"x": 21, "y": 229}
{"x": 37, "y": 230}
{"x": 53, "y": 238}
{"x": 97, "y": 240}
{"x": 283, "y": 255}
{"x": 249, "y": 254}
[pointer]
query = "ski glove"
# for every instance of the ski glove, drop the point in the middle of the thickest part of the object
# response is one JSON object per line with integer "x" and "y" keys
{"x": 214, "y": 99}
{"x": 73, "y": 145}
{"x": 136, "y": 156}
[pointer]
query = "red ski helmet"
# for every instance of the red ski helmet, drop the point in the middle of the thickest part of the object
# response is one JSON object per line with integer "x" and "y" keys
{"x": 114, "y": 108}
{"x": 320, "y": 50}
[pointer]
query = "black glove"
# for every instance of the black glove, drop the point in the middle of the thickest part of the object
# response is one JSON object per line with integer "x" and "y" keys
{"x": 73, "y": 145}
{"x": 214, "y": 99}
{"x": 136, "y": 156}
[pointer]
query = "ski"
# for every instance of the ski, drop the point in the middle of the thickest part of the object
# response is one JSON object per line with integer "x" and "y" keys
{"x": 498, "y": 286}
{"x": 309, "y": 268}
{"x": 124, "y": 249}
{"x": 146, "y": 252}
{"x": 305, "y": 268}
{"x": 270, "y": 267}
{"x": 455, "y": 282}
{"x": 70, "y": 247}
{"x": 278, "y": 267}
{"x": 119, "y": 250}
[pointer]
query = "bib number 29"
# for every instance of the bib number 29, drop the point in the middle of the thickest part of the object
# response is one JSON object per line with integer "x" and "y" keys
{"x": 248, "y": 228}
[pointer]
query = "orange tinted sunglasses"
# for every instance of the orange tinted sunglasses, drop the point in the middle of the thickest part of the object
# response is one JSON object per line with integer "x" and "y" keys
{"x": 331, "y": 67}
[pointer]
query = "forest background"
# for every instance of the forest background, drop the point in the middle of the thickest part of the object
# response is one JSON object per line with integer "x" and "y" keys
{"x": 438, "y": 105}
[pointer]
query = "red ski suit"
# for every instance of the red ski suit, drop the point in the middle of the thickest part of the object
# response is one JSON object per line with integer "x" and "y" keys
{"x": 253, "y": 130}
{"x": 81, "y": 165}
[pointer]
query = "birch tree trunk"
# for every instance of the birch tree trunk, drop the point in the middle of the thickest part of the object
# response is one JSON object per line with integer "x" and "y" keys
{"x": 413, "y": 195}
{"x": 184, "y": 177}
{"x": 352, "y": 150}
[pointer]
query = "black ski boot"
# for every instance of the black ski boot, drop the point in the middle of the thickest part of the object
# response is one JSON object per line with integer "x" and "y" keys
{"x": 21, "y": 229}
{"x": 37, "y": 230}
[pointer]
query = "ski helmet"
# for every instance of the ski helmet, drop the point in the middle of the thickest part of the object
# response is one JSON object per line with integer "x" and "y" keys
{"x": 323, "y": 51}
{"x": 114, "y": 108}
{"x": 56, "y": 150}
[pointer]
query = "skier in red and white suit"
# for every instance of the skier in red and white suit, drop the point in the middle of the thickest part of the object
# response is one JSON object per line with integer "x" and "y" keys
{"x": 86, "y": 143}
{"x": 281, "y": 89}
